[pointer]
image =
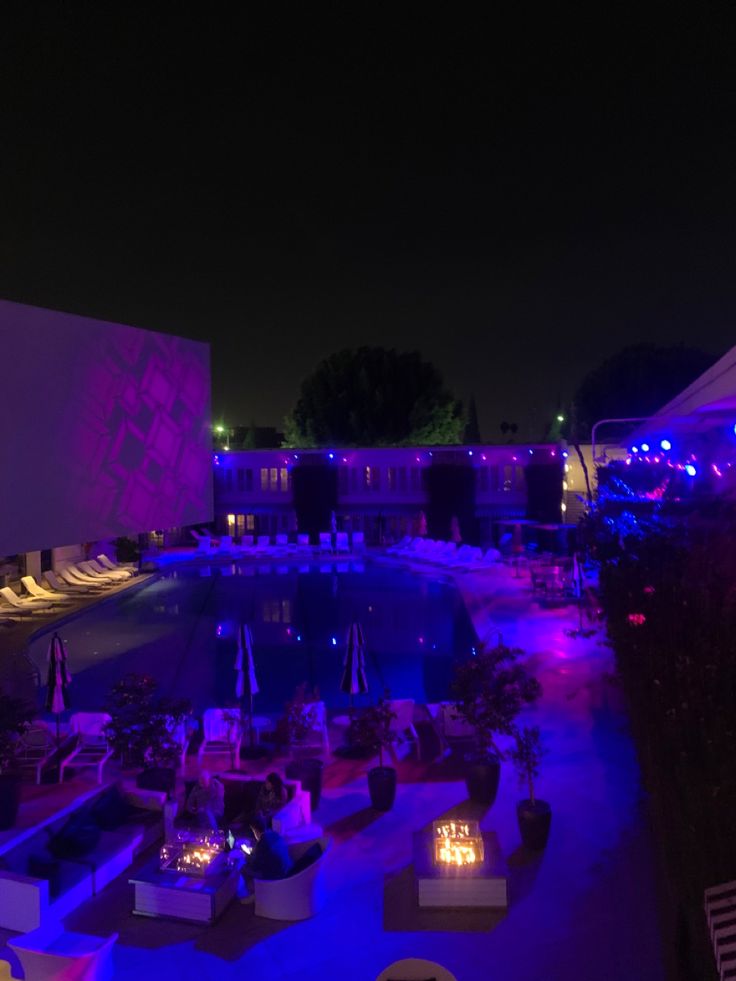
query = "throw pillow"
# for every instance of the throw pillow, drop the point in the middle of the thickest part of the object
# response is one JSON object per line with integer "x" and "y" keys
{"x": 309, "y": 857}
{"x": 79, "y": 836}
{"x": 110, "y": 810}
{"x": 44, "y": 867}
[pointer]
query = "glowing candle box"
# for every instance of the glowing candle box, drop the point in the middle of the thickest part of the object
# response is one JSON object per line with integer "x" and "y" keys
{"x": 194, "y": 853}
{"x": 457, "y": 843}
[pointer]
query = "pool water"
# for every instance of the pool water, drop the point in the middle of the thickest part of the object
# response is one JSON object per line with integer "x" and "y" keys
{"x": 181, "y": 629}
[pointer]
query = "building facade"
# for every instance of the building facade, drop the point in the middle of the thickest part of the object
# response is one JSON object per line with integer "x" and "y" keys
{"x": 382, "y": 492}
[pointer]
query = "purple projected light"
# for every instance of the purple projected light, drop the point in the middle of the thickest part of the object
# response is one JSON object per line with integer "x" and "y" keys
{"x": 123, "y": 444}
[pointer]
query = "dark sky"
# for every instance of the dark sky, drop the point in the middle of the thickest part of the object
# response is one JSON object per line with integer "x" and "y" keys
{"x": 517, "y": 201}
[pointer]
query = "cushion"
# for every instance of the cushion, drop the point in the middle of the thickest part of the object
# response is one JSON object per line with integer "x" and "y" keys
{"x": 44, "y": 866}
{"x": 288, "y": 817}
{"x": 110, "y": 810}
{"x": 309, "y": 857}
{"x": 79, "y": 836}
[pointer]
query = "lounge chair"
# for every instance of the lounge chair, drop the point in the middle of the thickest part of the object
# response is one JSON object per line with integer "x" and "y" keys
{"x": 22, "y": 605}
{"x": 107, "y": 571}
{"x": 113, "y": 566}
{"x": 52, "y": 952}
{"x": 64, "y": 586}
{"x": 91, "y": 749}
{"x": 302, "y": 542}
{"x": 247, "y": 542}
{"x": 401, "y": 546}
{"x": 204, "y": 545}
{"x": 89, "y": 570}
{"x": 263, "y": 543}
{"x": 117, "y": 575}
{"x": 341, "y": 542}
{"x": 75, "y": 578}
{"x": 325, "y": 541}
{"x": 358, "y": 541}
{"x": 317, "y": 736}
{"x": 403, "y": 725}
{"x": 300, "y": 895}
{"x": 34, "y": 749}
{"x": 39, "y": 593}
{"x": 282, "y": 541}
{"x": 226, "y": 543}
{"x": 223, "y": 733}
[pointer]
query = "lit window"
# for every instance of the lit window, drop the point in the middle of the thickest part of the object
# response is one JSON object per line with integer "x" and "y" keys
{"x": 284, "y": 474}
{"x": 367, "y": 476}
{"x": 273, "y": 474}
{"x": 264, "y": 479}
{"x": 230, "y": 523}
{"x": 250, "y": 522}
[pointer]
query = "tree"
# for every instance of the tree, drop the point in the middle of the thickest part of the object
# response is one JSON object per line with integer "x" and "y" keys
{"x": 472, "y": 430}
{"x": 637, "y": 381}
{"x": 374, "y": 397}
{"x": 491, "y": 689}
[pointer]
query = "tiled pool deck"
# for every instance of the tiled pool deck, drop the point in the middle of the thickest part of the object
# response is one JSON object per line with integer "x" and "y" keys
{"x": 586, "y": 909}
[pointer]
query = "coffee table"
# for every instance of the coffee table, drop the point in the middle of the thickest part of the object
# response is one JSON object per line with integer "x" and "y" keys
{"x": 481, "y": 885}
{"x": 183, "y": 897}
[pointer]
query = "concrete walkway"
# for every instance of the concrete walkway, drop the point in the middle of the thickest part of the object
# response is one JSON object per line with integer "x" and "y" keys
{"x": 585, "y": 910}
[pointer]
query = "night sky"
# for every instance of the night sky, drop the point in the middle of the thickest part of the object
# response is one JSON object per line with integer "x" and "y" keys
{"x": 517, "y": 201}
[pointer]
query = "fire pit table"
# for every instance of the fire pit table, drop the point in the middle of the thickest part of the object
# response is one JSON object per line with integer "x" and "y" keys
{"x": 456, "y": 865}
{"x": 193, "y": 878}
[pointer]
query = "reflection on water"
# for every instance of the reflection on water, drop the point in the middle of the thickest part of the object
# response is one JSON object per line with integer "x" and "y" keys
{"x": 181, "y": 629}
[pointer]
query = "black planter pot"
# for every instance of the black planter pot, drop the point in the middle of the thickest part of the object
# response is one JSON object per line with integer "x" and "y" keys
{"x": 534, "y": 823}
{"x": 309, "y": 773}
{"x": 157, "y": 778}
{"x": 481, "y": 778}
{"x": 9, "y": 799}
{"x": 382, "y": 787}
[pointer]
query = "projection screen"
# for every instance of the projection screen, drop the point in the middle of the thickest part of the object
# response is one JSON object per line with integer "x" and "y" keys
{"x": 104, "y": 430}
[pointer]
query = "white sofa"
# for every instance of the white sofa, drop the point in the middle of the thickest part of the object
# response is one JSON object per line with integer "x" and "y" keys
{"x": 26, "y": 901}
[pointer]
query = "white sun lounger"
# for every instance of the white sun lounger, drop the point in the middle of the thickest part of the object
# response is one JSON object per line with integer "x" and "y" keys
{"x": 88, "y": 570}
{"x": 39, "y": 593}
{"x": 65, "y": 587}
{"x": 125, "y": 566}
{"x": 31, "y": 606}
{"x": 116, "y": 573}
{"x": 69, "y": 574}
{"x": 325, "y": 541}
{"x": 341, "y": 542}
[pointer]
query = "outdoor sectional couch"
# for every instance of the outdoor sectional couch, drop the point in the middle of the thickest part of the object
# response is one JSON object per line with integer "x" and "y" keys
{"x": 241, "y": 793}
{"x": 48, "y": 871}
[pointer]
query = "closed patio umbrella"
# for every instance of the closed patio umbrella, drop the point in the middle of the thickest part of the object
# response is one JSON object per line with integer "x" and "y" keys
{"x": 578, "y": 585}
{"x": 59, "y": 679}
{"x": 354, "y": 681}
{"x": 246, "y": 684}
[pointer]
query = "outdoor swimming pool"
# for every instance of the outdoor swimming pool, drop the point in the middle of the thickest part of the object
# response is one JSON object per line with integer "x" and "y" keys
{"x": 181, "y": 630}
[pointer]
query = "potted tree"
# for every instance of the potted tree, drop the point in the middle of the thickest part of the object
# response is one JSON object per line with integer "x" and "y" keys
{"x": 16, "y": 715}
{"x": 371, "y": 730}
{"x": 142, "y": 730}
{"x": 490, "y": 689}
{"x": 534, "y": 815}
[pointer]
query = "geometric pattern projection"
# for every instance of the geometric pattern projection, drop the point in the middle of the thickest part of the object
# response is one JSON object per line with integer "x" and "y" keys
{"x": 108, "y": 432}
{"x": 141, "y": 445}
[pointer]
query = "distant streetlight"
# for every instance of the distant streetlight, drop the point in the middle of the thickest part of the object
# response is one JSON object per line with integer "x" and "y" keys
{"x": 560, "y": 418}
{"x": 219, "y": 429}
